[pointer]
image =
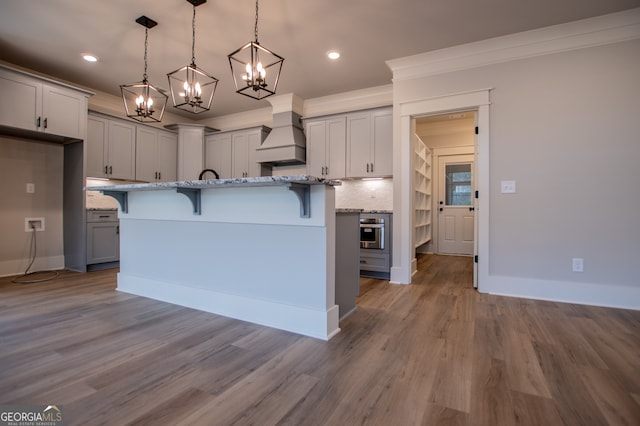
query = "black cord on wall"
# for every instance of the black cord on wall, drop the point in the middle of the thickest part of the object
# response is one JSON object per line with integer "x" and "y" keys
{"x": 33, "y": 249}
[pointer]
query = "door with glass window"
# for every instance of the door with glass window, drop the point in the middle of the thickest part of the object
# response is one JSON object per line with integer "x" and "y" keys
{"x": 455, "y": 205}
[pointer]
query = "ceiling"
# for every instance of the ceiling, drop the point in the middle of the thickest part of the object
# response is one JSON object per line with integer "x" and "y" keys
{"x": 48, "y": 36}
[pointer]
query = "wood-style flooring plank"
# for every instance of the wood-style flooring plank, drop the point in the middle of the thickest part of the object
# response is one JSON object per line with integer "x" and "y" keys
{"x": 436, "y": 352}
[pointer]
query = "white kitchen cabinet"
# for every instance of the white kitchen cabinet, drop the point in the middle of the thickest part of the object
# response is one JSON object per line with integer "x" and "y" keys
{"x": 326, "y": 147}
{"x": 156, "y": 155}
{"x": 218, "y": 154}
{"x": 233, "y": 154}
{"x": 32, "y": 104}
{"x": 370, "y": 143}
{"x": 103, "y": 237}
{"x": 111, "y": 148}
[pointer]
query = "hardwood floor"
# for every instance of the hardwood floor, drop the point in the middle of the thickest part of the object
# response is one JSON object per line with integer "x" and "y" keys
{"x": 433, "y": 353}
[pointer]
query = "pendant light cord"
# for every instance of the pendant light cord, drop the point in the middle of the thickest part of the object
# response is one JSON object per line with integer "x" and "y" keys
{"x": 146, "y": 40}
{"x": 255, "y": 30}
{"x": 193, "y": 38}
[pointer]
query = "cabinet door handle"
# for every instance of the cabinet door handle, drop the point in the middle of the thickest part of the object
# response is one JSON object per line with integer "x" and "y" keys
{"x": 159, "y": 175}
{"x": 367, "y": 167}
{"x": 110, "y": 170}
{"x": 371, "y": 167}
{"x": 104, "y": 216}
{"x": 45, "y": 123}
{"x": 118, "y": 230}
{"x": 38, "y": 122}
{"x": 106, "y": 170}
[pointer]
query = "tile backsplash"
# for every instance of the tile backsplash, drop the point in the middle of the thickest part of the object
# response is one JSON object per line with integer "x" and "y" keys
{"x": 365, "y": 194}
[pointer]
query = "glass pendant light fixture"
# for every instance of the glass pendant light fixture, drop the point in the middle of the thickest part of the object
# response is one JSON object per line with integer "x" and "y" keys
{"x": 192, "y": 88}
{"x": 255, "y": 69}
{"x": 143, "y": 101}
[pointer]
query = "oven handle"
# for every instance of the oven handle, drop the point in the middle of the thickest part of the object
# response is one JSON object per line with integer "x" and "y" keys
{"x": 371, "y": 226}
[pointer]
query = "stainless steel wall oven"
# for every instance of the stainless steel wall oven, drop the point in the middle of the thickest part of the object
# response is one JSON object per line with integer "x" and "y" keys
{"x": 372, "y": 233}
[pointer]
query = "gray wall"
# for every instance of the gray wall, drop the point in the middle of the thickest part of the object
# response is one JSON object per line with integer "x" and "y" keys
{"x": 566, "y": 127}
{"x": 23, "y": 161}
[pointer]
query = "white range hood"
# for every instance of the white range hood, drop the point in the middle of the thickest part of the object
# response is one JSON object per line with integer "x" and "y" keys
{"x": 286, "y": 143}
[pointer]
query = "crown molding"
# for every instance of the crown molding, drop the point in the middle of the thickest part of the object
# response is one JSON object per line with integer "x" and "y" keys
{"x": 606, "y": 29}
{"x": 372, "y": 97}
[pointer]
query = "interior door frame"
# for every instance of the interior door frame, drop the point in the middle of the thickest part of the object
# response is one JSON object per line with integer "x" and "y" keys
{"x": 405, "y": 112}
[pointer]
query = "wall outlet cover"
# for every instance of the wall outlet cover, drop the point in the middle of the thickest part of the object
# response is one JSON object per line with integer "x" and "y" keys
{"x": 508, "y": 186}
{"x": 577, "y": 264}
{"x": 31, "y": 223}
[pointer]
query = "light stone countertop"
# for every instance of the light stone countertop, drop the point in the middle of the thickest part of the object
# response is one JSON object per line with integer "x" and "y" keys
{"x": 219, "y": 183}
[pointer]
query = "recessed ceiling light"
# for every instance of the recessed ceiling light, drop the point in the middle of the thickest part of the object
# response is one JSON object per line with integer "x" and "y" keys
{"x": 334, "y": 54}
{"x": 89, "y": 57}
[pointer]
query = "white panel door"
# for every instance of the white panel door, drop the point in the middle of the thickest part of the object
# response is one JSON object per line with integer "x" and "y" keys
{"x": 121, "y": 150}
{"x": 218, "y": 154}
{"x": 167, "y": 157}
{"x": 336, "y": 148}
{"x": 146, "y": 141}
{"x": 316, "y": 133}
{"x": 456, "y": 207}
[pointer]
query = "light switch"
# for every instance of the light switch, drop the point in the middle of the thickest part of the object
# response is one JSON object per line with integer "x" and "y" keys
{"x": 31, "y": 188}
{"x": 508, "y": 186}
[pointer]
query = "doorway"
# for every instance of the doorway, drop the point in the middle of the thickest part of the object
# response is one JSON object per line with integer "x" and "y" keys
{"x": 450, "y": 139}
{"x": 406, "y": 112}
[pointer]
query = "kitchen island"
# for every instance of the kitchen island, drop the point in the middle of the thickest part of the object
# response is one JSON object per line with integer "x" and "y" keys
{"x": 256, "y": 249}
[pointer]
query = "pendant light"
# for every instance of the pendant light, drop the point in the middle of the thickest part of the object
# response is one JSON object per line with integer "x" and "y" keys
{"x": 143, "y": 101}
{"x": 192, "y": 88}
{"x": 255, "y": 68}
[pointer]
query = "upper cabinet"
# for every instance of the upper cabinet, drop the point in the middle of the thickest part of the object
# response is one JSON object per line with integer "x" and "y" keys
{"x": 29, "y": 103}
{"x": 370, "y": 143}
{"x": 111, "y": 148}
{"x": 218, "y": 154}
{"x": 156, "y": 155}
{"x": 326, "y": 147}
{"x": 233, "y": 154}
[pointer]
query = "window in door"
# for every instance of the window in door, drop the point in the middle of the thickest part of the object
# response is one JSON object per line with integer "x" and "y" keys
{"x": 458, "y": 184}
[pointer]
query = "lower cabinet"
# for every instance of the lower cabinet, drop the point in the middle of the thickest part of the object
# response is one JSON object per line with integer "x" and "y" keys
{"x": 376, "y": 263}
{"x": 347, "y": 286}
{"x": 103, "y": 237}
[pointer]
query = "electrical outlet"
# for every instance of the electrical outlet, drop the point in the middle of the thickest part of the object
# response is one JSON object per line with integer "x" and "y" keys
{"x": 31, "y": 188}
{"x": 577, "y": 264}
{"x": 508, "y": 186}
{"x": 33, "y": 223}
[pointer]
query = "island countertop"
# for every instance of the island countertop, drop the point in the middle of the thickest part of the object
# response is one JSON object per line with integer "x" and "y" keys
{"x": 220, "y": 183}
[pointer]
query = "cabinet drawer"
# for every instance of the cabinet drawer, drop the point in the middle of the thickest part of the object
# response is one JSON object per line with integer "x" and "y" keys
{"x": 374, "y": 263}
{"x": 102, "y": 216}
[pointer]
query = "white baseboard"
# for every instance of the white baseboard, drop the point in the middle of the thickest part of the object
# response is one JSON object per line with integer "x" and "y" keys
{"x": 610, "y": 296}
{"x": 297, "y": 319}
{"x": 18, "y": 266}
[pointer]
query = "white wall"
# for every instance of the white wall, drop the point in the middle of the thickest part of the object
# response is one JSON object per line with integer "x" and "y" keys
{"x": 565, "y": 127}
{"x": 24, "y": 161}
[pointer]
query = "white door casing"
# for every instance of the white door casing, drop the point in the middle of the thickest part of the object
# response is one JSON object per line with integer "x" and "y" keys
{"x": 404, "y": 112}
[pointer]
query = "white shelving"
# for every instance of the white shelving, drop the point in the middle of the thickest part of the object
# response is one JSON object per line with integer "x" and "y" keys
{"x": 422, "y": 193}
